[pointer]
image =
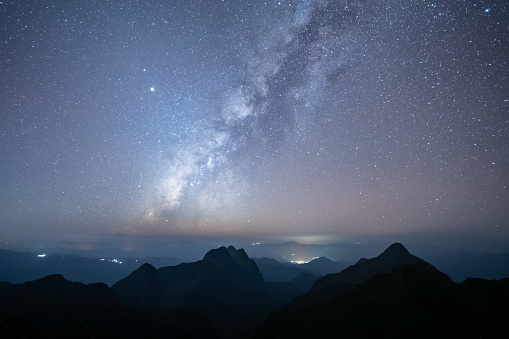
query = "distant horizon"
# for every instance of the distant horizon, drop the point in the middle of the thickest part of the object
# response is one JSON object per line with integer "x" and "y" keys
{"x": 192, "y": 249}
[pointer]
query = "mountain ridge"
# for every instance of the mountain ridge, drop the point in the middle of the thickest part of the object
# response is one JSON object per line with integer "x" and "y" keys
{"x": 224, "y": 295}
{"x": 395, "y": 254}
{"x": 395, "y": 294}
{"x": 226, "y": 285}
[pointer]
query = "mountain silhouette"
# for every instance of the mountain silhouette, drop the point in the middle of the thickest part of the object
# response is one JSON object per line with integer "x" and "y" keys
{"x": 53, "y": 307}
{"x": 393, "y": 295}
{"x": 334, "y": 284}
{"x": 141, "y": 288}
{"x": 364, "y": 269}
{"x": 54, "y": 296}
{"x": 226, "y": 285}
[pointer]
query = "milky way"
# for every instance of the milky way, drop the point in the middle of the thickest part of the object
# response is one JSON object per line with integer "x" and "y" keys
{"x": 341, "y": 119}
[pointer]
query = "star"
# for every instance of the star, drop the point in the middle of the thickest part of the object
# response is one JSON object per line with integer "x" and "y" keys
{"x": 275, "y": 118}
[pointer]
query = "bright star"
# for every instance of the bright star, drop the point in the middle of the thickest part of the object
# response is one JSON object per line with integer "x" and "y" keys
{"x": 152, "y": 89}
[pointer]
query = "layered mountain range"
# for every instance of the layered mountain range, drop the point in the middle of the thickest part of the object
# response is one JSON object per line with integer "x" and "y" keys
{"x": 224, "y": 295}
{"x": 226, "y": 285}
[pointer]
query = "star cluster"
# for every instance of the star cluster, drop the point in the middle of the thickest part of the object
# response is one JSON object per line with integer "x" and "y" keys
{"x": 345, "y": 119}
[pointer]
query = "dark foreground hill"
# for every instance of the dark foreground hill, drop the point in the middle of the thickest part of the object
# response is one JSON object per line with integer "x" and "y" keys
{"x": 222, "y": 295}
{"x": 53, "y": 307}
{"x": 394, "y": 295}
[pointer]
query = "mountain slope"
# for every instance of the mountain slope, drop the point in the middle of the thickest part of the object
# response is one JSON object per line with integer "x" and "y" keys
{"x": 226, "y": 285}
{"x": 53, "y": 307}
{"x": 330, "y": 285}
{"x": 394, "y": 255}
{"x": 394, "y": 295}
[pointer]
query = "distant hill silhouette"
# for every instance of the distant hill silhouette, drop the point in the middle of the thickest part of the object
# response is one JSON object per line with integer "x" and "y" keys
{"x": 20, "y": 267}
{"x": 273, "y": 270}
{"x": 287, "y": 280}
{"x": 325, "y": 266}
{"x": 226, "y": 285}
{"x": 394, "y": 295}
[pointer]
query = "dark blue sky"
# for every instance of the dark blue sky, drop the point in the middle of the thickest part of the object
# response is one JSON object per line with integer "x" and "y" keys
{"x": 316, "y": 121}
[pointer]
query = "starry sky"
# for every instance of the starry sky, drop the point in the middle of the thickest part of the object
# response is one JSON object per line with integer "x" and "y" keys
{"x": 313, "y": 121}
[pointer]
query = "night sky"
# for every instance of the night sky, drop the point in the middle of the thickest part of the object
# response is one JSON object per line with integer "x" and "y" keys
{"x": 313, "y": 121}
